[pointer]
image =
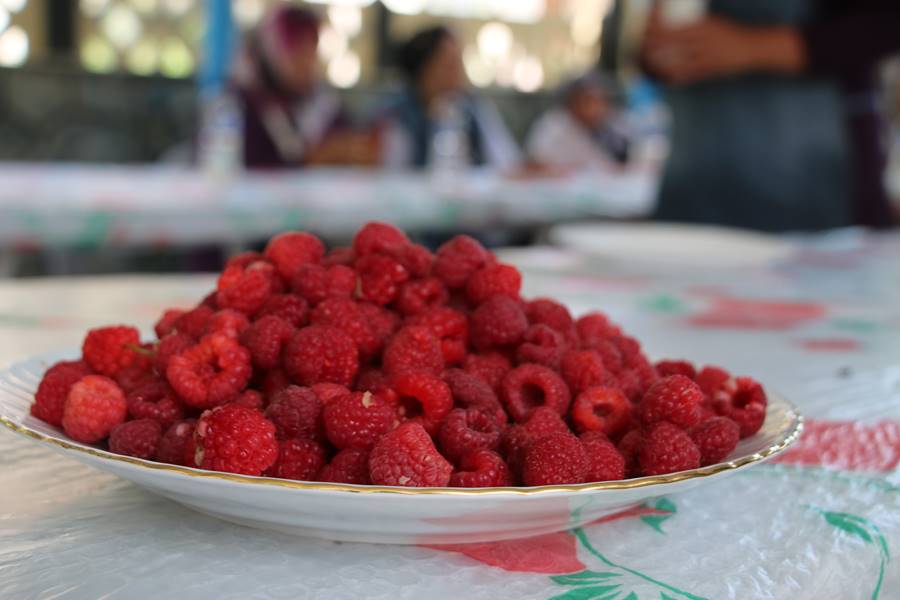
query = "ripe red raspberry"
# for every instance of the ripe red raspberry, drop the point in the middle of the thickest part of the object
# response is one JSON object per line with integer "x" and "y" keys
{"x": 347, "y": 466}
{"x": 594, "y": 326}
{"x": 382, "y": 321}
{"x": 413, "y": 348}
{"x": 607, "y": 463}
{"x": 380, "y": 278}
{"x": 138, "y": 438}
{"x": 328, "y": 392}
{"x": 140, "y": 371}
{"x": 490, "y": 368}
{"x": 297, "y": 459}
{"x": 319, "y": 354}
{"x": 419, "y": 295}
{"x": 471, "y": 392}
{"x": 675, "y": 399}
{"x": 166, "y": 323}
{"x": 289, "y": 307}
{"x": 558, "y": 458}
{"x": 407, "y": 457}
{"x": 458, "y": 259}
{"x": 169, "y": 346}
{"x": 450, "y": 326}
{"x": 609, "y": 353}
{"x": 296, "y": 412}
{"x": 667, "y": 449}
{"x": 542, "y": 345}
{"x": 676, "y": 367}
{"x": 227, "y": 321}
{"x": 293, "y": 249}
{"x": 423, "y": 397}
{"x": 467, "y": 430}
{"x": 94, "y": 406}
{"x": 250, "y": 399}
{"x": 544, "y": 421}
{"x": 415, "y": 258}
{"x": 171, "y": 448}
{"x": 108, "y": 350}
{"x": 265, "y": 339}
{"x": 371, "y": 379}
{"x": 712, "y": 379}
{"x": 358, "y": 419}
{"x": 246, "y": 289}
{"x": 235, "y": 439}
{"x": 544, "y": 311}
{"x": 347, "y": 315}
{"x": 193, "y": 323}
{"x": 157, "y": 401}
{"x": 272, "y": 382}
{"x": 50, "y": 398}
{"x": 315, "y": 283}
{"x": 499, "y": 321}
{"x": 376, "y": 237}
{"x": 493, "y": 280}
{"x": 645, "y": 376}
{"x": 211, "y": 373}
{"x": 209, "y": 301}
{"x": 602, "y": 409}
{"x": 743, "y": 401}
{"x": 481, "y": 468}
{"x": 244, "y": 259}
{"x": 341, "y": 255}
{"x": 528, "y": 386}
{"x": 629, "y": 446}
{"x": 716, "y": 438}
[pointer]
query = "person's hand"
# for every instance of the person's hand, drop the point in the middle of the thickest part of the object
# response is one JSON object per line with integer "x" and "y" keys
{"x": 717, "y": 47}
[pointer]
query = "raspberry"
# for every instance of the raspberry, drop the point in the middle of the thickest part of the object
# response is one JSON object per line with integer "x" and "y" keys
{"x": 490, "y": 368}
{"x": 413, "y": 348}
{"x": 329, "y": 391}
{"x": 471, "y": 392}
{"x": 358, "y": 419}
{"x": 193, "y": 322}
{"x": 209, "y": 301}
{"x": 274, "y": 381}
{"x": 745, "y": 404}
{"x": 558, "y": 458}
{"x": 458, "y": 259}
{"x": 243, "y": 259}
{"x": 419, "y": 295}
{"x": 712, "y": 379}
{"x": 157, "y": 401}
{"x": 380, "y": 278}
{"x": 166, "y": 323}
{"x": 265, "y": 339}
{"x": 211, "y": 373}
{"x": 466, "y": 430}
{"x": 629, "y": 446}
{"x": 50, "y": 398}
{"x": 296, "y": 412}
{"x": 371, "y": 379}
{"x": 630, "y": 349}
{"x": 138, "y": 438}
{"x": 493, "y": 280}
{"x": 544, "y": 311}
{"x": 342, "y": 255}
{"x": 676, "y": 367}
{"x": 319, "y": 354}
{"x": 289, "y": 307}
{"x": 227, "y": 321}
{"x": 347, "y": 315}
{"x": 291, "y": 250}
{"x": 541, "y": 344}
{"x": 517, "y": 438}
{"x": 171, "y": 448}
{"x": 675, "y": 399}
{"x": 645, "y": 376}
{"x": 716, "y": 438}
{"x": 609, "y": 353}
{"x": 594, "y": 326}
{"x": 667, "y": 449}
{"x": 407, "y": 457}
{"x": 450, "y": 326}
{"x": 376, "y": 237}
{"x": 298, "y": 459}
{"x": 602, "y": 409}
{"x": 415, "y": 258}
{"x": 94, "y": 406}
{"x": 481, "y": 468}
{"x": 250, "y": 399}
{"x": 246, "y": 289}
{"x": 528, "y": 386}
{"x": 347, "y": 466}
{"x": 499, "y": 321}
{"x": 423, "y": 397}
{"x": 108, "y": 350}
{"x": 382, "y": 322}
{"x": 235, "y": 439}
{"x": 169, "y": 346}
{"x": 316, "y": 283}
{"x": 606, "y": 462}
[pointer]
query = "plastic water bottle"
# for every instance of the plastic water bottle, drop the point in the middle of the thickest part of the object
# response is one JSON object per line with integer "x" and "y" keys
{"x": 221, "y": 148}
{"x": 449, "y": 152}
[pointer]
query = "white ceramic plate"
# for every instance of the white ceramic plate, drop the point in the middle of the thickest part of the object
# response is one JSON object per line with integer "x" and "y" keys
{"x": 383, "y": 514}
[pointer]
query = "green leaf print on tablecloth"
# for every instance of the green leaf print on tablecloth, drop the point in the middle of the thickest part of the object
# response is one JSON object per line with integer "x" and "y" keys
{"x": 865, "y": 530}
{"x": 656, "y": 521}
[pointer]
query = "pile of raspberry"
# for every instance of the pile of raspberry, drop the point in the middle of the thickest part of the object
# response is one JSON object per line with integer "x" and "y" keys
{"x": 386, "y": 364}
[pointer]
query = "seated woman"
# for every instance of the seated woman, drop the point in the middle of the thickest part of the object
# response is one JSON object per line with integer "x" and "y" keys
{"x": 581, "y": 131}
{"x": 290, "y": 118}
{"x": 436, "y": 101}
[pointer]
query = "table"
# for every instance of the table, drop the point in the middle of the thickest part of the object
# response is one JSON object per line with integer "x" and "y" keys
{"x": 822, "y": 326}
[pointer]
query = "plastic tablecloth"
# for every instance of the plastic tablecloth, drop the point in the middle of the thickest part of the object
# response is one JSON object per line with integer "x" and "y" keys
{"x": 822, "y": 327}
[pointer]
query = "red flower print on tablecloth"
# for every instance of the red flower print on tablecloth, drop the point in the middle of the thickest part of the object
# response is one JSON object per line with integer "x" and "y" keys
{"x": 742, "y": 313}
{"x": 847, "y": 445}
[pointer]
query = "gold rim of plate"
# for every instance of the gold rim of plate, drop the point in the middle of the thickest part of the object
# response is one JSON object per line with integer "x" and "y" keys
{"x": 626, "y": 484}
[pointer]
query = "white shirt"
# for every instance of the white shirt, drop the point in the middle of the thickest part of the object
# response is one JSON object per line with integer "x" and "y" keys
{"x": 557, "y": 139}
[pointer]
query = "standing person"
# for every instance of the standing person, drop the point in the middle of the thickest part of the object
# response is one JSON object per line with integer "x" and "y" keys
{"x": 436, "y": 98}
{"x": 775, "y": 119}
